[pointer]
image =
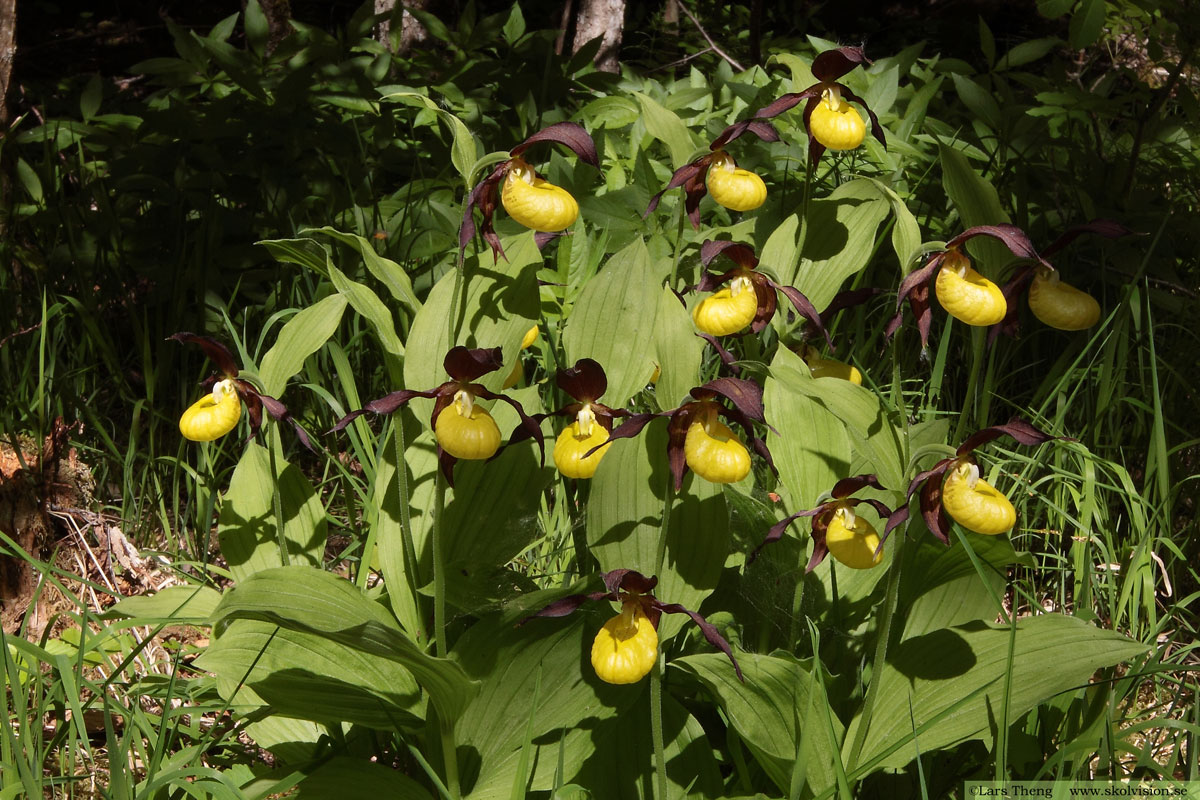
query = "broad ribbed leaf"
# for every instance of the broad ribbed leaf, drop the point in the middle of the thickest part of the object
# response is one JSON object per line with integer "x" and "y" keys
{"x": 613, "y": 322}
{"x": 811, "y": 450}
{"x": 247, "y": 525}
{"x": 953, "y": 680}
{"x": 303, "y": 335}
{"x": 765, "y": 710}
{"x": 191, "y": 604}
{"x": 625, "y": 515}
{"x": 391, "y": 274}
{"x": 678, "y": 351}
{"x": 840, "y": 239}
{"x": 343, "y": 778}
{"x": 668, "y": 128}
{"x": 368, "y": 304}
{"x": 313, "y": 601}
{"x": 977, "y": 203}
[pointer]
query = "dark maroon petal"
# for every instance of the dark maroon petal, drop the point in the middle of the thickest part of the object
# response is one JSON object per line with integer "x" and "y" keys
{"x": 629, "y": 580}
{"x": 805, "y": 309}
{"x": 1013, "y": 238}
{"x": 918, "y": 301}
{"x": 562, "y": 607}
{"x": 571, "y": 134}
{"x": 468, "y": 364}
{"x": 253, "y": 409}
{"x": 746, "y": 396}
{"x": 708, "y": 629}
{"x": 876, "y": 128}
{"x": 727, "y": 357}
{"x": 882, "y": 510}
{"x": 1010, "y": 325}
{"x": 764, "y": 292}
{"x": 383, "y": 405}
{"x": 627, "y": 429}
{"x": 279, "y": 413}
{"x": 776, "y": 531}
{"x": 1109, "y": 229}
{"x": 446, "y": 462}
{"x": 760, "y": 446}
{"x": 938, "y": 469}
{"x": 693, "y": 192}
{"x": 740, "y": 254}
{"x": 1017, "y": 428}
{"x": 532, "y": 428}
{"x": 681, "y": 176}
{"x": 833, "y": 64}
{"x": 483, "y": 197}
{"x": 763, "y": 130}
{"x": 932, "y": 511}
{"x": 543, "y": 238}
{"x": 917, "y": 278}
{"x": 677, "y": 429}
{"x": 848, "y": 486}
{"x": 895, "y": 519}
{"x": 585, "y": 381}
{"x": 820, "y": 553}
{"x": 787, "y": 102}
{"x": 848, "y": 299}
{"x": 217, "y": 353}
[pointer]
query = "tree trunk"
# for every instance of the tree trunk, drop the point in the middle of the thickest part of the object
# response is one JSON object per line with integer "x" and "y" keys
{"x": 412, "y": 32}
{"x": 8, "y": 51}
{"x": 279, "y": 18}
{"x": 601, "y": 18}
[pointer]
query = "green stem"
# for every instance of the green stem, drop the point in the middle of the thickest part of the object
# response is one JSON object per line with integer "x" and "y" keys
{"x": 439, "y": 568}
{"x": 798, "y": 599}
{"x": 406, "y": 534}
{"x": 668, "y": 500}
{"x": 277, "y": 504}
{"x": 886, "y": 619}
{"x": 450, "y": 756}
{"x": 678, "y": 243}
{"x": 656, "y": 731}
{"x": 967, "y": 419}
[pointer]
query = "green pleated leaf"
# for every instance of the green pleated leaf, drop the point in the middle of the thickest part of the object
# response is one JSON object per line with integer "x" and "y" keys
{"x": 866, "y": 421}
{"x": 668, "y": 128}
{"x": 781, "y": 251}
{"x": 308, "y": 676}
{"x": 368, "y": 304}
{"x": 979, "y": 101}
{"x": 624, "y": 755}
{"x": 246, "y": 528}
{"x": 811, "y": 450}
{"x": 953, "y": 680}
{"x": 678, "y": 350}
{"x": 302, "y": 252}
{"x": 500, "y": 303}
{"x": 613, "y": 322}
{"x": 906, "y": 233}
{"x": 312, "y": 601}
{"x": 977, "y": 203}
{"x": 839, "y": 240}
{"x": 624, "y": 519}
{"x": 391, "y": 274}
{"x": 765, "y": 709}
{"x": 191, "y": 604}
{"x": 343, "y": 778}
{"x": 571, "y": 701}
{"x": 303, "y": 335}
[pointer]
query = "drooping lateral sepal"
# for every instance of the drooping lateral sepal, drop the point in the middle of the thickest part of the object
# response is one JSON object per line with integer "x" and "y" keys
{"x": 709, "y": 630}
{"x": 571, "y": 134}
{"x": 217, "y": 353}
{"x": 1018, "y": 429}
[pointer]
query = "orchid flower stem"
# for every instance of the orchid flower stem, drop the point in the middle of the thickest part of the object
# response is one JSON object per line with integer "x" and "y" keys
{"x": 668, "y": 500}
{"x": 678, "y": 244}
{"x": 967, "y": 419}
{"x": 808, "y": 179}
{"x": 450, "y": 758}
{"x": 439, "y": 567}
{"x": 886, "y": 618}
{"x": 406, "y": 534}
{"x": 276, "y": 502}
{"x": 798, "y": 599}
{"x": 656, "y": 731}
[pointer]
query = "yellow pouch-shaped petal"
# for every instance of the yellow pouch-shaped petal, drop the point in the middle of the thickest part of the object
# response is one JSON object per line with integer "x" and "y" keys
{"x": 835, "y": 123}
{"x": 625, "y": 649}
{"x": 852, "y": 540}
{"x": 1060, "y": 305}
{"x": 975, "y": 504}
{"x": 727, "y": 310}
{"x": 572, "y": 444}
{"x": 466, "y": 431}
{"x": 733, "y": 187}
{"x": 713, "y": 451}
{"x": 536, "y": 203}
{"x": 966, "y": 295}
{"x": 213, "y": 415}
{"x": 830, "y": 368}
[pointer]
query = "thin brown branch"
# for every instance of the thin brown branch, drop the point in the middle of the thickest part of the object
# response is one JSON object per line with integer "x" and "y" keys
{"x": 708, "y": 38}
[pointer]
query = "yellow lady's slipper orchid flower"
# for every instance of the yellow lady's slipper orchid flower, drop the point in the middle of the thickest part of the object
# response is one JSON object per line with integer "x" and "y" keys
{"x": 466, "y": 431}
{"x": 975, "y": 504}
{"x": 733, "y": 187}
{"x": 851, "y": 540}
{"x": 213, "y": 415}
{"x": 835, "y": 123}
{"x": 727, "y": 310}
{"x": 712, "y": 450}
{"x": 625, "y": 649}
{"x": 537, "y": 203}
{"x": 966, "y": 295}
{"x": 1060, "y": 305}
{"x": 830, "y": 368}
{"x": 577, "y": 439}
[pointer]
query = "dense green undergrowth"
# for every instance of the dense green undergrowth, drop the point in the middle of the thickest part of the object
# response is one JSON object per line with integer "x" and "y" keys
{"x": 354, "y": 627}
